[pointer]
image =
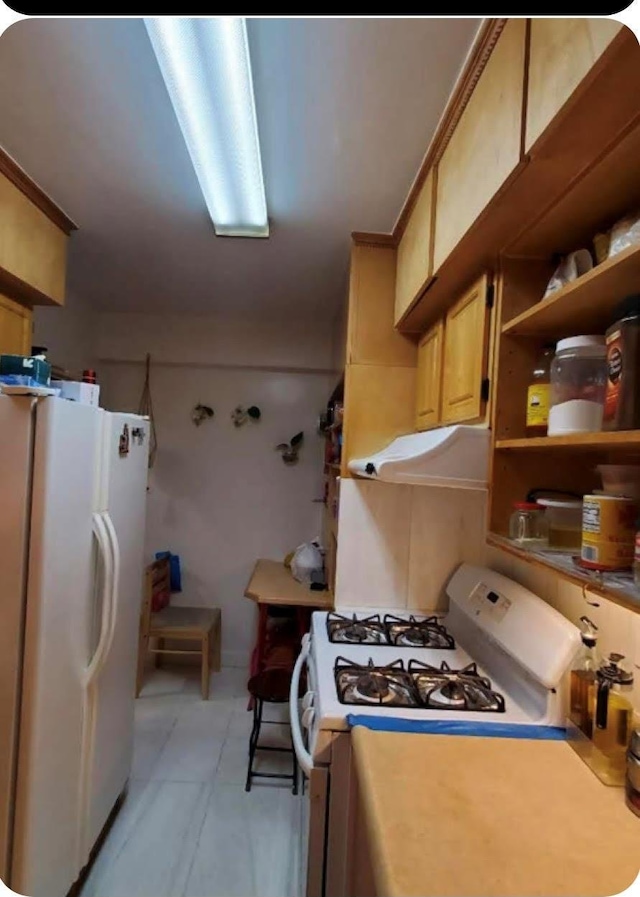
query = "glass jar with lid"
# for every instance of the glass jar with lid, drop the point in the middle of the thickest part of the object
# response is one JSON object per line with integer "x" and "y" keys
{"x": 528, "y": 525}
{"x": 578, "y": 385}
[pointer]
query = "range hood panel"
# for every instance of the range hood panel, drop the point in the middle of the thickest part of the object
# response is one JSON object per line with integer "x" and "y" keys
{"x": 456, "y": 457}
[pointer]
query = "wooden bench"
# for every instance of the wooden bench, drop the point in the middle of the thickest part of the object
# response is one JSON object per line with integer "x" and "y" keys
{"x": 203, "y": 624}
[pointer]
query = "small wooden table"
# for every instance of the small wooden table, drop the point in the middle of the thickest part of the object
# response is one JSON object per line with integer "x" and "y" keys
{"x": 271, "y": 583}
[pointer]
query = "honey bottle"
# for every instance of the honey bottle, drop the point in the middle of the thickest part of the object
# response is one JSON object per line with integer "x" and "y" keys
{"x": 583, "y": 679}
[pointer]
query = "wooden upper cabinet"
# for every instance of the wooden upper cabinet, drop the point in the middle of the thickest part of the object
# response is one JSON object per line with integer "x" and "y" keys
{"x": 562, "y": 51}
{"x": 33, "y": 247}
{"x": 15, "y": 328}
{"x": 466, "y": 353}
{"x": 485, "y": 146}
{"x": 415, "y": 250}
{"x": 371, "y": 338}
{"x": 429, "y": 378}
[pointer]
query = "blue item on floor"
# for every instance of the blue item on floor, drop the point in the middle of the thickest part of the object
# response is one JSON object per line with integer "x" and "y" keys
{"x": 175, "y": 577}
{"x": 458, "y": 727}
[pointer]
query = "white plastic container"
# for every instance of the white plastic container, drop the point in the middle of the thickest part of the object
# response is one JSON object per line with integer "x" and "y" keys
{"x": 578, "y": 384}
{"x": 77, "y": 391}
{"x": 564, "y": 518}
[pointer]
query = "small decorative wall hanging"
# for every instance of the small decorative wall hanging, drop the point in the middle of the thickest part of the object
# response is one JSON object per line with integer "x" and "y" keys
{"x": 201, "y": 413}
{"x": 290, "y": 449}
{"x": 240, "y": 415}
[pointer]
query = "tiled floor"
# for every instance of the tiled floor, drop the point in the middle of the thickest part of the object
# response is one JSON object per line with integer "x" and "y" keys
{"x": 187, "y": 827}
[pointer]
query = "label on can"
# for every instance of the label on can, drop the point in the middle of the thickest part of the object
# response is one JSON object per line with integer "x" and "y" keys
{"x": 608, "y": 532}
{"x": 538, "y": 405}
{"x": 615, "y": 348}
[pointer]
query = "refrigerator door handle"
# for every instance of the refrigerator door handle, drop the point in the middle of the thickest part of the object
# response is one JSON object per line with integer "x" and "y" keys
{"x": 104, "y": 642}
{"x": 115, "y": 585}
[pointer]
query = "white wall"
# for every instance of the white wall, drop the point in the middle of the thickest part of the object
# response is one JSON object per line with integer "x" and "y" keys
{"x": 68, "y": 333}
{"x": 225, "y": 341}
{"x": 221, "y": 497}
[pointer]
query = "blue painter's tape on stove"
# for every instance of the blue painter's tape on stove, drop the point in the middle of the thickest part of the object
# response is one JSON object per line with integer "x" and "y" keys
{"x": 458, "y": 727}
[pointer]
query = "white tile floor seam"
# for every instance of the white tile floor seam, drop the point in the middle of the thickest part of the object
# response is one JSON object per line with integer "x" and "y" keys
{"x": 187, "y": 827}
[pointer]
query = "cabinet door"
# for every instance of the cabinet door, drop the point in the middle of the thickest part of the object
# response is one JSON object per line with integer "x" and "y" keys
{"x": 32, "y": 247}
{"x": 429, "y": 373}
{"x": 15, "y": 328}
{"x": 415, "y": 256}
{"x": 485, "y": 146}
{"x": 466, "y": 339}
{"x": 561, "y": 53}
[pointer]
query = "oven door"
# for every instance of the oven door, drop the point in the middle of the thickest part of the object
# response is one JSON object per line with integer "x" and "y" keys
{"x": 316, "y": 788}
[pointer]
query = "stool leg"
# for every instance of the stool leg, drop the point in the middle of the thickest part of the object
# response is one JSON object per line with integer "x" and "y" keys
{"x": 206, "y": 654}
{"x": 253, "y": 739}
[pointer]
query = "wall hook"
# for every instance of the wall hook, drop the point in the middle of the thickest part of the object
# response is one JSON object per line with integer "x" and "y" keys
{"x": 201, "y": 413}
{"x": 290, "y": 449}
{"x": 240, "y": 415}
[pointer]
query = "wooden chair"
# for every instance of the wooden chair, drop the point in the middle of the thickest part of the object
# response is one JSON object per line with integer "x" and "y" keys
{"x": 176, "y": 623}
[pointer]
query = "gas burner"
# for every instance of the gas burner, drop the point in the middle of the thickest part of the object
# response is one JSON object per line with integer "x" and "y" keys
{"x": 389, "y": 686}
{"x": 356, "y": 631}
{"x": 441, "y": 688}
{"x": 413, "y": 633}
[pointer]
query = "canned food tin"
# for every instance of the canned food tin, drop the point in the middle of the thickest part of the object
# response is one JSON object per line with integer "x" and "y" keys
{"x": 608, "y": 532}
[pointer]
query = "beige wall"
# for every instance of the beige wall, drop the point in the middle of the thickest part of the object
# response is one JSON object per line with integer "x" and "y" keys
{"x": 398, "y": 545}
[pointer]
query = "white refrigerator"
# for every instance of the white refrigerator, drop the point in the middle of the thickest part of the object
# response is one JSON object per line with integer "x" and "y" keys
{"x": 72, "y": 516}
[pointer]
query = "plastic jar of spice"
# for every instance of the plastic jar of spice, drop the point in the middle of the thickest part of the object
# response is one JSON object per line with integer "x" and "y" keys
{"x": 622, "y": 400}
{"x": 578, "y": 383}
{"x": 528, "y": 525}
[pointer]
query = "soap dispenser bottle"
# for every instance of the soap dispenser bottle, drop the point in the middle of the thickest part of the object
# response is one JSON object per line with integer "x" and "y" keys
{"x": 583, "y": 679}
{"x": 613, "y": 709}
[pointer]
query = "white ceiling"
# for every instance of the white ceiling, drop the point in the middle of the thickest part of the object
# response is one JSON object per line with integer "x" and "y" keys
{"x": 346, "y": 109}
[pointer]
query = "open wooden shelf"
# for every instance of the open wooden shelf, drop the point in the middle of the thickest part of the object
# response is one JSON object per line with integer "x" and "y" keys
{"x": 618, "y": 587}
{"x": 587, "y": 305}
{"x": 624, "y": 439}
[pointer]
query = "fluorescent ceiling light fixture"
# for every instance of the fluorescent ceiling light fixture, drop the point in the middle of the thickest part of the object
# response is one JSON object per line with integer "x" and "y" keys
{"x": 206, "y": 67}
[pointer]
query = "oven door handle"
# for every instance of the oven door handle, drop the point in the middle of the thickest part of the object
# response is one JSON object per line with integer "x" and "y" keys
{"x": 304, "y": 757}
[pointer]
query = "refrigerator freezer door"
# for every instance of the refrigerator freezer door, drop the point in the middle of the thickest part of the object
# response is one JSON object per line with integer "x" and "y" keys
{"x": 48, "y": 853}
{"x": 123, "y": 508}
{"x": 16, "y": 432}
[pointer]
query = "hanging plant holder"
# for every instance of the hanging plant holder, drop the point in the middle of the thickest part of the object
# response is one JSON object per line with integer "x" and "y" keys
{"x": 240, "y": 415}
{"x": 145, "y": 409}
{"x": 291, "y": 449}
{"x": 201, "y": 413}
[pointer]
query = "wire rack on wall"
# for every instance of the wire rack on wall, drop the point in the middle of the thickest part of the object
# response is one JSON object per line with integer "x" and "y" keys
{"x": 145, "y": 408}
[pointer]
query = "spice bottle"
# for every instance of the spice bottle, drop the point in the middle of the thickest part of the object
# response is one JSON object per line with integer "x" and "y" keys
{"x": 538, "y": 393}
{"x": 583, "y": 678}
{"x": 622, "y": 399}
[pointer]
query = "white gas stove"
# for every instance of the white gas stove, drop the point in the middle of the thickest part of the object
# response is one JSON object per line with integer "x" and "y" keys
{"x": 498, "y": 658}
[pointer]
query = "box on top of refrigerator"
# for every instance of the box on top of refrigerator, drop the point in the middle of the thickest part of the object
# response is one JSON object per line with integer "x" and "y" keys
{"x": 78, "y": 391}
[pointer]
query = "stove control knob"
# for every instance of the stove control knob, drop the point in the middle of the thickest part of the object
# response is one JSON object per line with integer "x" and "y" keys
{"x": 307, "y": 701}
{"x": 307, "y": 717}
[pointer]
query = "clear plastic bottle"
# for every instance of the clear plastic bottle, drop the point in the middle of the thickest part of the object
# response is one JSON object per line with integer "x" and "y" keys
{"x": 583, "y": 679}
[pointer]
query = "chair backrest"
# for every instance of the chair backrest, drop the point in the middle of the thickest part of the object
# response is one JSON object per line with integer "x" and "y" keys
{"x": 157, "y": 592}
